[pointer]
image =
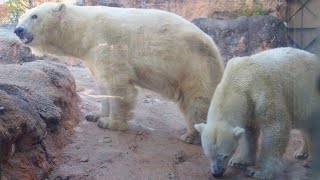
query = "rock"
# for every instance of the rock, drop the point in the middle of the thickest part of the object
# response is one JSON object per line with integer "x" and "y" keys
{"x": 180, "y": 157}
{"x": 109, "y": 140}
{"x": 84, "y": 159}
{"x": 244, "y": 35}
{"x": 110, "y": 3}
{"x": 218, "y": 9}
{"x": 37, "y": 99}
{"x": 103, "y": 166}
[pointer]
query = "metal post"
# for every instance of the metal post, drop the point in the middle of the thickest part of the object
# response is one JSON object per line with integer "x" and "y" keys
{"x": 0, "y": 160}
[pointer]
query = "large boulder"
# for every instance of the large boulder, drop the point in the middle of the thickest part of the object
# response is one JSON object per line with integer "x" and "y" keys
{"x": 38, "y": 105}
{"x": 244, "y": 35}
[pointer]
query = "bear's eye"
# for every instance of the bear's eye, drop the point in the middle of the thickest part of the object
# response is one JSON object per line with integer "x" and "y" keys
{"x": 34, "y": 17}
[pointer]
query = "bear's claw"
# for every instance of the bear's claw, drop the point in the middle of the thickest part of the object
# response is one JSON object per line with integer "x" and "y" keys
{"x": 301, "y": 154}
{"x": 93, "y": 116}
{"x": 240, "y": 163}
{"x": 259, "y": 174}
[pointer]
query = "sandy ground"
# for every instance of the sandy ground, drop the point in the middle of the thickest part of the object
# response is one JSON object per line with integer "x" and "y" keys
{"x": 150, "y": 149}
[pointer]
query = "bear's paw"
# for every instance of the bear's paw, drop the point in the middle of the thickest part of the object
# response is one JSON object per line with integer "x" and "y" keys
{"x": 191, "y": 138}
{"x": 240, "y": 162}
{"x": 259, "y": 173}
{"x": 113, "y": 124}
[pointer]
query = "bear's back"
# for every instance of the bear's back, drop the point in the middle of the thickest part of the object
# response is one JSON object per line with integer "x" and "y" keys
{"x": 285, "y": 75}
{"x": 129, "y": 17}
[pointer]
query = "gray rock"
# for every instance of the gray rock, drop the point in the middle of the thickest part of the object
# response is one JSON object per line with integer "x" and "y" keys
{"x": 244, "y": 35}
{"x": 109, "y": 140}
{"x": 84, "y": 159}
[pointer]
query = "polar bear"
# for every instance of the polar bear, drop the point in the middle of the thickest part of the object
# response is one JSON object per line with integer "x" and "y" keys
{"x": 125, "y": 48}
{"x": 272, "y": 91}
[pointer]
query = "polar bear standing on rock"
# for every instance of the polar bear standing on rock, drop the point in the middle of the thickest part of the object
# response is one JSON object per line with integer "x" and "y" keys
{"x": 273, "y": 91}
{"x": 153, "y": 49}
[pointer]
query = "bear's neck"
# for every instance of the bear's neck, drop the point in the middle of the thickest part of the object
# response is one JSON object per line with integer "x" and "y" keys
{"x": 71, "y": 41}
{"x": 80, "y": 36}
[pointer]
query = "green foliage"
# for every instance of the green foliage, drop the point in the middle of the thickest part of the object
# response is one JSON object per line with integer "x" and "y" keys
{"x": 246, "y": 11}
{"x": 243, "y": 5}
{"x": 17, "y": 8}
{"x": 250, "y": 12}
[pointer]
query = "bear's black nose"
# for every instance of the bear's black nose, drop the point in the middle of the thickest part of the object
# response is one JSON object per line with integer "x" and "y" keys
{"x": 19, "y": 32}
{"x": 218, "y": 172}
{"x": 217, "y": 175}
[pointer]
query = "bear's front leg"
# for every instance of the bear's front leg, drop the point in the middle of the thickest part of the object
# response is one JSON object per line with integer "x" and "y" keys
{"x": 274, "y": 142}
{"x": 121, "y": 105}
{"x": 248, "y": 144}
{"x": 104, "y": 112}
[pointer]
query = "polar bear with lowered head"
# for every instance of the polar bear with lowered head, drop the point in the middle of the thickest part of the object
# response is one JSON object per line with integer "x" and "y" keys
{"x": 273, "y": 91}
{"x": 125, "y": 48}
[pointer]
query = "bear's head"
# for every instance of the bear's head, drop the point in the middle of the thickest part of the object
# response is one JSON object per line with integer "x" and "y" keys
{"x": 40, "y": 26}
{"x": 219, "y": 142}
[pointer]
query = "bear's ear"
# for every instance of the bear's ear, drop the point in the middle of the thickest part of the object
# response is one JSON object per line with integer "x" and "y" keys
{"x": 200, "y": 127}
{"x": 238, "y": 132}
{"x": 60, "y": 7}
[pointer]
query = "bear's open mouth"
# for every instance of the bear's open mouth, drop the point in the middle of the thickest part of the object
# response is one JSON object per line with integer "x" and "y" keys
{"x": 26, "y": 40}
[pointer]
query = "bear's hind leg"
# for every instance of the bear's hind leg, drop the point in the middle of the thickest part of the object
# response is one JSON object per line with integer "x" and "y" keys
{"x": 121, "y": 105}
{"x": 195, "y": 111}
{"x": 248, "y": 149}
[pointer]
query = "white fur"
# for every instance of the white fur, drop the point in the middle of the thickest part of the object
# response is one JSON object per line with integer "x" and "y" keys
{"x": 273, "y": 91}
{"x": 123, "y": 48}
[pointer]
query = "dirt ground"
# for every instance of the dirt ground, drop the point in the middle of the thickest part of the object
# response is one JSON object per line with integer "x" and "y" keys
{"x": 150, "y": 149}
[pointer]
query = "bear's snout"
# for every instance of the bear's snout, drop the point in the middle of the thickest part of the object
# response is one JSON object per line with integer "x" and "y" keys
{"x": 19, "y": 32}
{"x": 24, "y": 36}
{"x": 217, "y": 171}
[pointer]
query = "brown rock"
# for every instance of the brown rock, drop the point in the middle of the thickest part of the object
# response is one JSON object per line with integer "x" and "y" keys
{"x": 218, "y": 9}
{"x": 37, "y": 98}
